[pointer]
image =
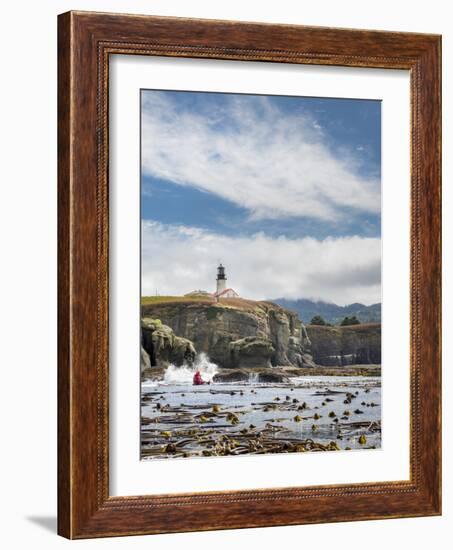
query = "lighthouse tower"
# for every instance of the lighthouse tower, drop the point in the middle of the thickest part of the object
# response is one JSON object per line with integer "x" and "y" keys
{"x": 221, "y": 280}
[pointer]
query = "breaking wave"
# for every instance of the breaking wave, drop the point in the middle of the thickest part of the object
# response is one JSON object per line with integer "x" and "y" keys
{"x": 253, "y": 378}
{"x": 184, "y": 374}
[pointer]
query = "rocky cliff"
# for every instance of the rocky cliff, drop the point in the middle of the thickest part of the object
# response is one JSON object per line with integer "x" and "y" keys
{"x": 349, "y": 345}
{"x": 235, "y": 333}
{"x": 160, "y": 345}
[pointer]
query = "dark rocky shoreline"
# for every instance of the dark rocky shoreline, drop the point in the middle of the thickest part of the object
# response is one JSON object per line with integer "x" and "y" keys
{"x": 284, "y": 375}
{"x": 274, "y": 374}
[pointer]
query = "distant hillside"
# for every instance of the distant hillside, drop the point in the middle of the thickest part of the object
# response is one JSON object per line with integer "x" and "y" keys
{"x": 331, "y": 313}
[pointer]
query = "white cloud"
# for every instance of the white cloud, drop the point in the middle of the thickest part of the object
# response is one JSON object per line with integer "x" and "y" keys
{"x": 178, "y": 259}
{"x": 274, "y": 164}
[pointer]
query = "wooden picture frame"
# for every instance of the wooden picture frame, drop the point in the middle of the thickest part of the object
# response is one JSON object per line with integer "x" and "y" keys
{"x": 85, "y": 41}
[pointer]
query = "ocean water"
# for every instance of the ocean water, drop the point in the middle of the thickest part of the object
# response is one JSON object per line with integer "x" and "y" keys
{"x": 190, "y": 420}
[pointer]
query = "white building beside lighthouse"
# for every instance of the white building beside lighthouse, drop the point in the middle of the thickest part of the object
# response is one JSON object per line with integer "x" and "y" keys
{"x": 222, "y": 291}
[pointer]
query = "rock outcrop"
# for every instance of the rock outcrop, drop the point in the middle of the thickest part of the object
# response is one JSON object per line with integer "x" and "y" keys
{"x": 162, "y": 346}
{"x": 348, "y": 345}
{"x": 266, "y": 375}
{"x": 235, "y": 333}
{"x": 145, "y": 363}
{"x": 251, "y": 352}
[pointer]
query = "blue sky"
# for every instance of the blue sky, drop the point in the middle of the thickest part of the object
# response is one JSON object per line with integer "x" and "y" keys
{"x": 230, "y": 171}
{"x": 349, "y": 126}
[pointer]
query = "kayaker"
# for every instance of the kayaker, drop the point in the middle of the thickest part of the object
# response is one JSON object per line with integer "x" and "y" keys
{"x": 197, "y": 379}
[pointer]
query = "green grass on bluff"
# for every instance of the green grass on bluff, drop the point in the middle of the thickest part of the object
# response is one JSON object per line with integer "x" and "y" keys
{"x": 235, "y": 303}
{"x": 148, "y": 300}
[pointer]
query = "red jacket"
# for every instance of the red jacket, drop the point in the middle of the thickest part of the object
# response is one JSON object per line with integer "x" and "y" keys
{"x": 197, "y": 380}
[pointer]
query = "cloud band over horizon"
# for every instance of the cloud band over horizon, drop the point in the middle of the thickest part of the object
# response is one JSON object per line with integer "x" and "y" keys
{"x": 179, "y": 259}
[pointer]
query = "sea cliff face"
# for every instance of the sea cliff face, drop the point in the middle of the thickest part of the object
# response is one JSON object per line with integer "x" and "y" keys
{"x": 349, "y": 345}
{"x": 161, "y": 347}
{"x": 235, "y": 333}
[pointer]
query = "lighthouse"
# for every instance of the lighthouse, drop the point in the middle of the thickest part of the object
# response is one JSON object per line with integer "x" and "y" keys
{"x": 221, "y": 280}
{"x": 222, "y": 290}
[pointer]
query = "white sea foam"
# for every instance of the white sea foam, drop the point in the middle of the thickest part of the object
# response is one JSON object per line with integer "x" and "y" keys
{"x": 149, "y": 383}
{"x": 253, "y": 378}
{"x": 184, "y": 374}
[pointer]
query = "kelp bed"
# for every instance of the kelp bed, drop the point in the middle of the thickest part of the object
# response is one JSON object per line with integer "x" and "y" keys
{"x": 220, "y": 422}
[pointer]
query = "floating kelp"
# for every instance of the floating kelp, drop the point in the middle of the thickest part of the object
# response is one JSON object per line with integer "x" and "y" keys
{"x": 204, "y": 425}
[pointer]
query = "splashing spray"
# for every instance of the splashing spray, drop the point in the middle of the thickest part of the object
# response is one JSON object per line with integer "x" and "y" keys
{"x": 184, "y": 374}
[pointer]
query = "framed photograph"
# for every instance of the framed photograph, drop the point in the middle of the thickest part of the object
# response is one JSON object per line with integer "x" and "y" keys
{"x": 249, "y": 275}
